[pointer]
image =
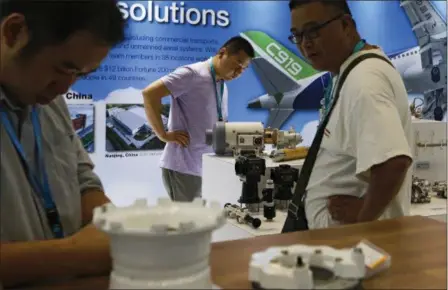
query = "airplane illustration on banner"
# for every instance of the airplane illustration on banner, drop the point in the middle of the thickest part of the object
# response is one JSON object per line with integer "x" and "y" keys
{"x": 291, "y": 83}
{"x": 423, "y": 68}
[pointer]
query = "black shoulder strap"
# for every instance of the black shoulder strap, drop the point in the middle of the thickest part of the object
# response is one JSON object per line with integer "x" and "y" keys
{"x": 307, "y": 168}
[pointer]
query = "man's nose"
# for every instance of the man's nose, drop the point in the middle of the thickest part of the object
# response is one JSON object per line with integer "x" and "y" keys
{"x": 306, "y": 43}
{"x": 238, "y": 72}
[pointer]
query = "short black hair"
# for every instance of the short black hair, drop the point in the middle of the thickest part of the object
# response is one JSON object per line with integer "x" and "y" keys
{"x": 238, "y": 43}
{"x": 51, "y": 22}
{"x": 341, "y": 5}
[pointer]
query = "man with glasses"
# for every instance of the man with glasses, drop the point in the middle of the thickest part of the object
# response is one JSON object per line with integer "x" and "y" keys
{"x": 360, "y": 170}
{"x": 198, "y": 101}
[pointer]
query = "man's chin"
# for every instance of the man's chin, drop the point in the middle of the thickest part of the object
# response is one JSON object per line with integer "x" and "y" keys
{"x": 44, "y": 100}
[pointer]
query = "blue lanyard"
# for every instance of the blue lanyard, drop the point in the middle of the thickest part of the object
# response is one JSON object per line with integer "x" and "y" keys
{"x": 329, "y": 89}
{"x": 218, "y": 96}
{"x": 40, "y": 185}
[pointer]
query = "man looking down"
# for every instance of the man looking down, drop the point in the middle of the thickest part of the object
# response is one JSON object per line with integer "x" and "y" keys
{"x": 47, "y": 185}
{"x": 198, "y": 100}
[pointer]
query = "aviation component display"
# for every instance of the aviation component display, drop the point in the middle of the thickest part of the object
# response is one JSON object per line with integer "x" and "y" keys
{"x": 268, "y": 201}
{"x": 288, "y": 154}
{"x": 420, "y": 190}
{"x": 165, "y": 246}
{"x": 248, "y": 138}
{"x": 241, "y": 215}
{"x": 284, "y": 178}
{"x": 250, "y": 169}
{"x": 440, "y": 187}
{"x": 307, "y": 267}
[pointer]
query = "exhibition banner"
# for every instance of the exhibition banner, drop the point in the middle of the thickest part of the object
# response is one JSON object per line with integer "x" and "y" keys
{"x": 279, "y": 88}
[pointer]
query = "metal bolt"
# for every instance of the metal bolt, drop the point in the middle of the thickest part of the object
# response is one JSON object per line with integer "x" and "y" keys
{"x": 318, "y": 251}
{"x": 285, "y": 252}
{"x": 358, "y": 250}
{"x": 338, "y": 260}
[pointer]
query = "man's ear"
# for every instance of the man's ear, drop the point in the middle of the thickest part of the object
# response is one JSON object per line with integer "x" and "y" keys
{"x": 345, "y": 23}
{"x": 222, "y": 51}
{"x": 348, "y": 23}
{"x": 15, "y": 31}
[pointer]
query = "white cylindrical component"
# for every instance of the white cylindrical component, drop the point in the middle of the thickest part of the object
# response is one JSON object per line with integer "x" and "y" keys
{"x": 199, "y": 281}
{"x": 288, "y": 139}
{"x": 166, "y": 246}
{"x": 244, "y": 127}
{"x": 235, "y": 129}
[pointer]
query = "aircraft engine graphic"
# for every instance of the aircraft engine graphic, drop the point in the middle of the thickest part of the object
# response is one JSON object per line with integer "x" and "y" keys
{"x": 291, "y": 84}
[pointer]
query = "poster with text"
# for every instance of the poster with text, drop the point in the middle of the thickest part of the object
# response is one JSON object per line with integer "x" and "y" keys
{"x": 279, "y": 88}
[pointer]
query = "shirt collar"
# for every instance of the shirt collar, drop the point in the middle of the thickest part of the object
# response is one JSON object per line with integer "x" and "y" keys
{"x": 4, "y": 99}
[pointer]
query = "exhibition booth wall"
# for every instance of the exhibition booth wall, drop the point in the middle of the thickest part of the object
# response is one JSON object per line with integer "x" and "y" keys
{"x": 106, "y": 106}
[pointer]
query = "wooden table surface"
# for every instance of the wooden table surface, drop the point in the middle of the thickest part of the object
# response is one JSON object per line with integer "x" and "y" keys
{"x": 417, "y": 245}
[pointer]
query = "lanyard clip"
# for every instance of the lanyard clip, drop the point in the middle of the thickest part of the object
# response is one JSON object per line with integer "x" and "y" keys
{"x": 54, "y": 222}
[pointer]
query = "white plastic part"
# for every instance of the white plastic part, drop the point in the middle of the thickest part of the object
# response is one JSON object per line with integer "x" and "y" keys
{"x": 288, "y": 139}
{"x": 276, "y": 268}
{"x": 243, "y": 136}
{"x": 165, "y": 246}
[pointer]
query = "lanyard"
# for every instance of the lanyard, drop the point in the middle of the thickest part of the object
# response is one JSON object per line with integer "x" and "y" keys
{"x": 40, "y": 185}
{"x": 218, "y": 96}
{"x": 329, "y": 89}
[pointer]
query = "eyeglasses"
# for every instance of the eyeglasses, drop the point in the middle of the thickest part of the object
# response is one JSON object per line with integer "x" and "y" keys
{"x": 238, "y": 65}
{"x": 312, "y": 32}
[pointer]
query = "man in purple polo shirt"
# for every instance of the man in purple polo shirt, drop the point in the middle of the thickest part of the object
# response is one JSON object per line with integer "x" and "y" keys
{"x": 198, "y": 101}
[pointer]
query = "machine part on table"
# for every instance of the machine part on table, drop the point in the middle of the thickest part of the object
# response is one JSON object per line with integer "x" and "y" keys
{"x": 250, "y": 169}
{"x": 420, "y": 190}
{"x": 435, "y": 101}
{"x": 268, "y": 201}
{"x": 284, "y": 178}
{"x": 247, "y": 138}
{"x": 282, "y": 139}
{"x": 287, "y": 154}
{"x": 241, "y": 215}
{"x": 416, "y": 110}
{"x": 440, "y": 188}
{"x": 307, "y": 267}
{"x": 164, "y": 246}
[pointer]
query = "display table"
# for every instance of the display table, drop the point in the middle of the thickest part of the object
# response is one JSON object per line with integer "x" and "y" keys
{"x": 417, "y": 246}
{"x": 437, "y": 206}
{"x": 220, "y": 182}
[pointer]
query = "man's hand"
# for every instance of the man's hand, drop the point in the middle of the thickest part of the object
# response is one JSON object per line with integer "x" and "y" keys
{"x": 345, "y": 208}
{"x": 92, "y": 244}
{"x": 86, "y": 253}
{"x": 178, "y": 137}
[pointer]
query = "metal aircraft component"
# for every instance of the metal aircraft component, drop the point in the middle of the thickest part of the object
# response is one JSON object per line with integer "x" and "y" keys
{"x": 307, "y": 267}
{"x": 420, "y": 190}
{"x": 248, "y": 138}
{"x": 440, "y": 187}
{"x": 241, "y": 215}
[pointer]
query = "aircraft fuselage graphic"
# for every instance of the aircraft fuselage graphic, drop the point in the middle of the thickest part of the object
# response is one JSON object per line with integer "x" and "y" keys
{"x": 291, "y": 84}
